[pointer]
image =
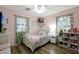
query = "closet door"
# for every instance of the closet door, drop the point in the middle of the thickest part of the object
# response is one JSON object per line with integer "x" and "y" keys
{"x": 21, "y": 28}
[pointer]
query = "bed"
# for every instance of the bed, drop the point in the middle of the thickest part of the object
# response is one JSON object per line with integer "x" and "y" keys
{"x": 34, "y": 41}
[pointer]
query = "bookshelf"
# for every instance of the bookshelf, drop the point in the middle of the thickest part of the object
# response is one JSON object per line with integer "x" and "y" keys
{"x": 69, "y": 40}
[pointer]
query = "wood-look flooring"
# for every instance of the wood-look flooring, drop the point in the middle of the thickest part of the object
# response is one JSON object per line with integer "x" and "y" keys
{"x": 49, "y": 48}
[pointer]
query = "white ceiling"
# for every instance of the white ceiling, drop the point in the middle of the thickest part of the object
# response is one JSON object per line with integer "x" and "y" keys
{"x": 50, "y": 9}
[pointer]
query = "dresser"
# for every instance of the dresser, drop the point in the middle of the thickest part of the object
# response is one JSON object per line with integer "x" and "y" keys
{"x": 4, "y": 44}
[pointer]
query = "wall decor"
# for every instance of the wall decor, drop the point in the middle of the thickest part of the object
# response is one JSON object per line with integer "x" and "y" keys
{"x": 7, "y": 20}
{"x": 40, "y": 19}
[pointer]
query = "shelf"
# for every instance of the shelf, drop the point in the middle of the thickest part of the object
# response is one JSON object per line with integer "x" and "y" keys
{"x": 70, "y": 33}
{"x": 69, "y": 40}
{"x": 64, "y": 41}
{"x": 74, "y": 44}
{"x": 70, "y": 43}
{"x": 73, "y": 49}
{"x": 65, "y": 37}
{"x": 63, "y": 45}
{"x": 72, "y": 38}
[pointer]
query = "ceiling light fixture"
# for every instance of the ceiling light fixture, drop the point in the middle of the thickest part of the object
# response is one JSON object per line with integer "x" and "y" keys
{"x": 39, "y": 9}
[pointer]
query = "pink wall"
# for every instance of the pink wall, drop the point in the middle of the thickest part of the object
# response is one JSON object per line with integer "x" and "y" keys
{"x": 10, "y": 14}
{"x": 51, "y": 19}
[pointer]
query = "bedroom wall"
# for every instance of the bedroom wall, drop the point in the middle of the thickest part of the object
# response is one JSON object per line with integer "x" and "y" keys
{"x": 11, "y": 27}
{"x": 51, "y": 19}
{"x": 33, "y": 27}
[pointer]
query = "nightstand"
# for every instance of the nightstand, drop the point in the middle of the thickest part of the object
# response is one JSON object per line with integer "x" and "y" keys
{"x": 53, "y": 39}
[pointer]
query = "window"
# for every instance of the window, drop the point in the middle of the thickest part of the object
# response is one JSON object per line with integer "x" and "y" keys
{"x": 64, "y": 23}
{"x": 22, "y": 24}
